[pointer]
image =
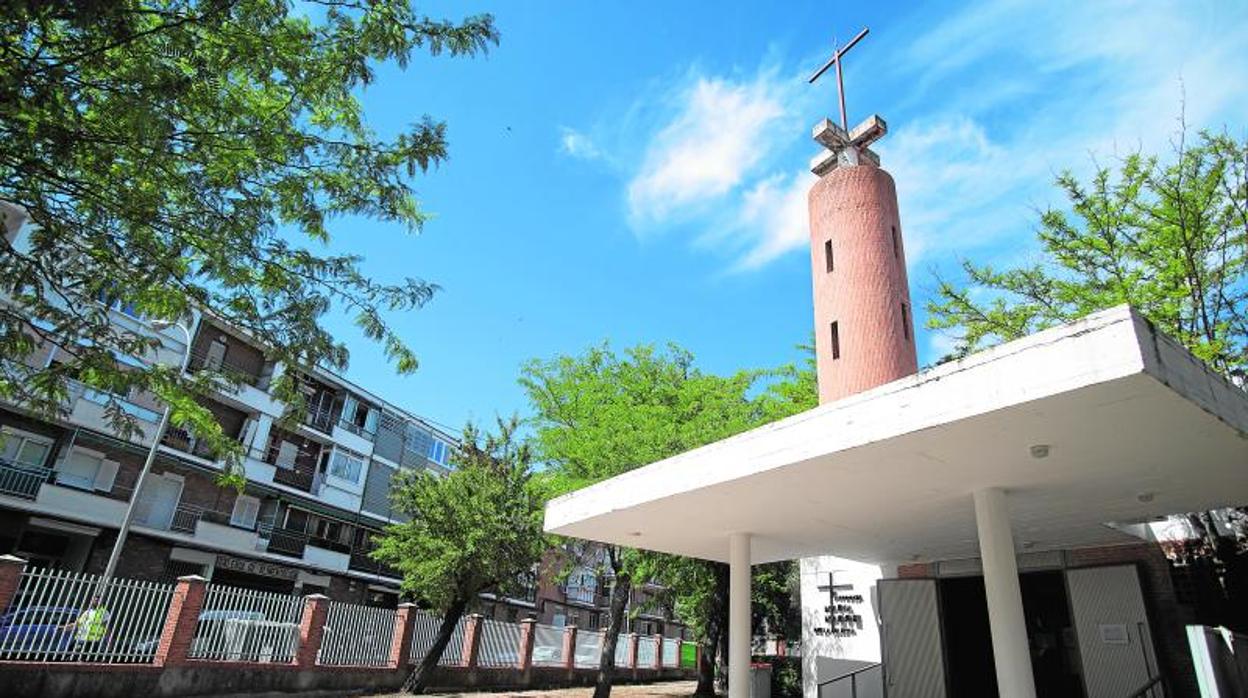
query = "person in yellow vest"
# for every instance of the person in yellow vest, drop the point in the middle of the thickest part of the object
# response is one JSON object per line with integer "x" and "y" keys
{"x": 92, "y": 625}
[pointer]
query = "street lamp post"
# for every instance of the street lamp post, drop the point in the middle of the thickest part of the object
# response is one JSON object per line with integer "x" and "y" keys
{"x": 159, "y": 326}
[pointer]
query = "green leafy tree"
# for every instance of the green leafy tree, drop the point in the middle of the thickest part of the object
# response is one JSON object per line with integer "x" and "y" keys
{"x": 603, "y": 413}
{"x": 477, "y": 528}
{"x": 181, "y": 153}
{"x": 1169, "y": 237}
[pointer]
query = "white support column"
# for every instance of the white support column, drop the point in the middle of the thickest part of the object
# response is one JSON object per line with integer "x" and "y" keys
{"x": 1005, "y": 598}
{"x": 739, "y": 629}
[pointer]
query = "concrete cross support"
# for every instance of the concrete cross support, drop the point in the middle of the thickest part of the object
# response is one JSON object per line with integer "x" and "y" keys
{"x": 739, "y": 615}
{"x": 1005, "y": 598}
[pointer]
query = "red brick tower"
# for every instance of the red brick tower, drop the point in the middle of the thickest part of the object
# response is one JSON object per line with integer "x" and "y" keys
{"x": 864, "y": 323}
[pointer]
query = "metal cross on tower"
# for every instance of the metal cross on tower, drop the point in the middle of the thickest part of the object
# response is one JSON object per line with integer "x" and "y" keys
{"x": 840, "y": 83}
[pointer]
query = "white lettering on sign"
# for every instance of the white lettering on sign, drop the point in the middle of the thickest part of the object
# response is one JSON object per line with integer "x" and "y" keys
{"x": 256, "y": 567}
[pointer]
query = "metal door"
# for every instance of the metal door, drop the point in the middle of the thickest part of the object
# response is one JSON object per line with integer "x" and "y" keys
{"x": 1115, "y": 642}
{"x": 914, "y": 657}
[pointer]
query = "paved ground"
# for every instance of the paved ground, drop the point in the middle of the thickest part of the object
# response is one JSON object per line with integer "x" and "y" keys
{"x": 669, "y": 689}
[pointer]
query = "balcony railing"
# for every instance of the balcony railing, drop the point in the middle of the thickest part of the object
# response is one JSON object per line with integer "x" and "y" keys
{"x": 361, "y": 562}
{"x": 187, "y": 516}
{"x": 230, "y": 370}
{"x": 283, "y": 541}
{"x": 321, "y": 418}
{"x": 183, "y": 440}
{"x": 22, "y": 481}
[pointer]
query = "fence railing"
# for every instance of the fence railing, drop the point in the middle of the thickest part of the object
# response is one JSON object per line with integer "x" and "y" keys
{"x": 548, "y": 646}
{"x": 647, "y": 651}
{"x": 500, "y": 644}
{"x": 671, "y": 652}
{"x": 588, "y": 646}
{"x": 20, "y": 480}
{"x": 848, "y": 685}
{"x": 242, "y": 625}
{"x": 357, "y": 635}
{"x": 55, "y": 615}
{"x": 621, "y": 650}
{"x": 69, "y": 616}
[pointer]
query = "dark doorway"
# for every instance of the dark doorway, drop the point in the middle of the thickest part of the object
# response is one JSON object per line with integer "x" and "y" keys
{"x": 968, "y": 637}
{"x": 252, "y": 581}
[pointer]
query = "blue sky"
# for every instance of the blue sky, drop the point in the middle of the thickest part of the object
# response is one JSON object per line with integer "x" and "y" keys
{"x": 637, "y": 172}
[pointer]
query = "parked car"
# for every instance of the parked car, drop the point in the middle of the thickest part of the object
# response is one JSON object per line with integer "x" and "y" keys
{"x": 149, "y": 645}
{"x": 37, "y": 628}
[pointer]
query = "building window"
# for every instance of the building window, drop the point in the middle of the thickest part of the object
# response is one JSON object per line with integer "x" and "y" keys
{"x": 827, "y": 255}
{"x": 25, "y": 449}
{"x": 896, "y": 244}
{"x": 246, "y": 509}
{"x": 359, "y": 417}
{"x": 346, "y": 466}
{"x": 836, "y": 340}
{"x": 88, "y": 470}
{"x": 438, "y": 452}
{"x": 905, "y": 321}
{"x": 287, "y": 453}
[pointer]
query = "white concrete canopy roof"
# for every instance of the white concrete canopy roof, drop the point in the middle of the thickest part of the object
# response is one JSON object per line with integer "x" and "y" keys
{"x": 1136, "y": 428}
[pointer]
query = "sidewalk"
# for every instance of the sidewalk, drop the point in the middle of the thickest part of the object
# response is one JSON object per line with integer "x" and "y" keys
{"x": 669, "y": 689}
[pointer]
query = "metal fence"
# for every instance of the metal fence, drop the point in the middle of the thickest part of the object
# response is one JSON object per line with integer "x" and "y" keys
{"x": 357, "y": 635}
{"x": 453, "y": 655}
{"x": 621, "y": 650}
{"x": 647, "y": 651}
{"x": 547, "y": 645}
{"x": 671, "y": 652}
{"x": 69, "y": 616}
{"x": 243, "y": 625}
{"x": 500, "y": 644}
{"x": 588, "y": 647}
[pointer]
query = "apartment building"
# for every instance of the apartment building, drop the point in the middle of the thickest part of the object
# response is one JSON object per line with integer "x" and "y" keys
{"x": 316, "y": 496}
{"x": 316, "y": 492}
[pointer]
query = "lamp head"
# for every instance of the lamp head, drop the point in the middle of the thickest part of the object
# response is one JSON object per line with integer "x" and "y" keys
{"x": 161, "y": 325}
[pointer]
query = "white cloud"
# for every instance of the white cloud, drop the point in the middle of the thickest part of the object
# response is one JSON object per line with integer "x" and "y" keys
{"x": 774, "y": 218}
{"x": 578, "y": 145}
{"x": 715, "y": 139}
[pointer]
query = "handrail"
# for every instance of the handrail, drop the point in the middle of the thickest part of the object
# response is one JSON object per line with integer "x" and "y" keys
{"x": 853, "y": 679}
{"x": 1148, "y": 686}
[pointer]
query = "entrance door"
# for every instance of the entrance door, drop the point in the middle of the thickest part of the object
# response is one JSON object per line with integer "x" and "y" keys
{"x": 1115, "y": 643}
{"x": 158, "y": 501}
{"x": 914, "y": 663}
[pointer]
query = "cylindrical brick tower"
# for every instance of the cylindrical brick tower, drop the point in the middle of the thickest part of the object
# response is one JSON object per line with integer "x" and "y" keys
{"x": 864, "y": 323}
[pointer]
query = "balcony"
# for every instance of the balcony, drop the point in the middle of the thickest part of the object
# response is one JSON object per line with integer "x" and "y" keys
{"x": 283, "y": 541}
{"x": 238, "y": 373}
{"x": 361, "y": 562}
{"x": 321, "y": 418}
{"x": 183, "y": 440}
{"x": 21, "y": 481}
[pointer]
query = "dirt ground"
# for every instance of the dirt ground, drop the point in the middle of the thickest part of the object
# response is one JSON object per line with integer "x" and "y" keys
{"x": 668, "y": 689}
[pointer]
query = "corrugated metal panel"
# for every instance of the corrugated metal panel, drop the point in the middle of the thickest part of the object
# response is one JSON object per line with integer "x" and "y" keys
{"x": 389, "y": 440}
{"x": 416, "y": 447}
{"x": 914, "y": 663}
{"x": 1115, "y": 644}
{"x": 376, "y": 498}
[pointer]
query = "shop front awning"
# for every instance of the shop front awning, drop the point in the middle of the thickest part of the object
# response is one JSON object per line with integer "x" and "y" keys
{"x": 1103, "y": 420}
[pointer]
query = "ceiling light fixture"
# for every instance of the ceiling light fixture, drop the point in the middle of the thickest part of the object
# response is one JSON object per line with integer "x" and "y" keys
{"x": 1040, "y": 451}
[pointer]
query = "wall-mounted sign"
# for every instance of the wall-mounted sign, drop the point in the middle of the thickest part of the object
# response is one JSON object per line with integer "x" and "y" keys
{"x": 841, "y": 616}
{"x": 257, "y": 567}
{"x": 1114, "y": 634}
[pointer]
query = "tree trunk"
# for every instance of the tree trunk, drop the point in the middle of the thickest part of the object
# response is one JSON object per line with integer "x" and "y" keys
{"x": 419, "y": 678}
{"x": 606, "y": 662}
{"x": 716, "y": 623}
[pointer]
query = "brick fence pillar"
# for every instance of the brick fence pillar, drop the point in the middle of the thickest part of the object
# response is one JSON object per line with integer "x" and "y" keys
{"x": 782, "y": 647}
{"x": 401, "y": 642}
{"x": 10, "y": 575}
{"x": 472, "y": 640}
{"x": 569, "y": 647}
{"x": 658, "y": 651}
{"x": 528, "y": 630}
{"x": 312, "y": 629}
{"x": 179, "y": 629}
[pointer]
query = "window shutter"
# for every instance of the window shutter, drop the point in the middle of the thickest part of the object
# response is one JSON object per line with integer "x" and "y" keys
{"x": 246, "y": 509}
{"x": 105, "y": 476}
{"x": 286, "y": 454}
{"x": 215, "y": 355}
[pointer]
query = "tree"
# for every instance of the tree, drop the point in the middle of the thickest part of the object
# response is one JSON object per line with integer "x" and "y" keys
{"x": 477, "y": 528}
{"x": 601, "y": 414}
{"x": 1170, "y": 238}
{"x": 182, "y": 153}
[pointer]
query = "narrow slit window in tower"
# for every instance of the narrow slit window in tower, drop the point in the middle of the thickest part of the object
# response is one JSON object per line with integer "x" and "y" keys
{"x": 827, "y": 255}
{"x": 896, "y": 244}
{"x": 905, "y": 321}
{"x": 836, "y": 341}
